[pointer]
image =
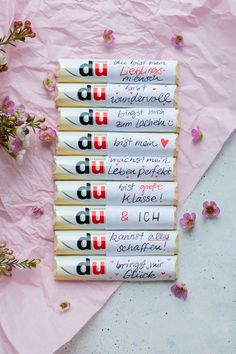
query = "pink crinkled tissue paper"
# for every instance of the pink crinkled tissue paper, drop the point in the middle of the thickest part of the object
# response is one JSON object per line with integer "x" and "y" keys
{"x": 30, "y": 319}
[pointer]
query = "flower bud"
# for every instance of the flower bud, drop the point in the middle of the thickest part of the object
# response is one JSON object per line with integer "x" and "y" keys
{"x": 27, "y": 23}
{"x": 41, "y": 120}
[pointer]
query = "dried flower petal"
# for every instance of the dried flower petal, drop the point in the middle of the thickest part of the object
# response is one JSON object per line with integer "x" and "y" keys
{"x": 177, "y": 41}
{"x": 37, "y": 211}
{"x": 108, "y": 37}
{"x": 188, "y": 221}
{"x": 64, "y": 306}
{"x": 210, "y": 210}
{"x": 180, "y": 291}
{"x": 196, "y": 134}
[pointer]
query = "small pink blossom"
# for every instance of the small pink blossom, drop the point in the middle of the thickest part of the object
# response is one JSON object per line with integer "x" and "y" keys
{"x": 7, "y": 106}
{"x": 210, "y": 210}
{"x": 37, "y": 211}
{"x": 177, "y": 41}
{"x": 108, "y": 37}
{"x": 188, "y": 221}
{"x": 64, "y": 306}
{"x": 47, "y": 135}
{"x": 50, "y": 82}
{"x": 15, "y": 145}
{"x": 20, "y": 112}
{"x": 180, "y": 291}
{"x": 196, "y": 134}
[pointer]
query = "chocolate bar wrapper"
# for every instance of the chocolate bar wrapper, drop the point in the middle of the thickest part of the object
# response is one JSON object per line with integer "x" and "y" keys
{"x": 135, "y": 268}
{"x": 115, "y": 193}
{"x": 114, "y": 119}
{"x": 118, "y": 144}
{"x": 116, "y": 243}
{"x": 116, "y": 95}
{"x": 115, "y": 217}
{"x": 141, "y": 168}
{"x": 118, "y": 71}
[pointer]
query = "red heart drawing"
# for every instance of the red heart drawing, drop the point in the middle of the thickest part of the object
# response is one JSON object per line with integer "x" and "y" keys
{"x": 117, "y": 93}
{"x": 154, "y": 88}
{"x": 164, "y": 142}
{"x": 163, "y": 273}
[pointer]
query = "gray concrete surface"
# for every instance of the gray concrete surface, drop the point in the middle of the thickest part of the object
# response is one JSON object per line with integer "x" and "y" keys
{"x": 145, "y": 318}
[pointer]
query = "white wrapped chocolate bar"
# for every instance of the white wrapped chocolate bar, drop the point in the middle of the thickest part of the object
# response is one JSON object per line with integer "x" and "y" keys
{"x": 115, "y": 217}
{"x": 141, "y": 168}
{"x": 116, "y": 243}
{"x": 118, "y": 71}
{"x": 135, "y": 268}
{"x": 116, "y": 95}
{"x": 118, "y": 144}
{"x": 115, "y": 193}
{"x": 114, "y": 119}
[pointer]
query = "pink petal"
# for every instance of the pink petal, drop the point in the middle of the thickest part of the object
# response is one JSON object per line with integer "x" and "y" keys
{"x": 213, "y": 204}
{"x": 217, "y": 211}
{"x": 187, "y": 216}
{"x": 205, "y": 204}
{"x": 193, "y": 216}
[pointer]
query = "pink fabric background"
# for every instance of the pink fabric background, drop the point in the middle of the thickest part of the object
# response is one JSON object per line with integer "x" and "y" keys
{"x": 30, "y": 320}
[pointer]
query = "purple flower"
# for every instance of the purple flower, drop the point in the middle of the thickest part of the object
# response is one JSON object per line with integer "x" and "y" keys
{"x": 210, "y": 210}
{"x": 47, "y": 135}
{"x": 196, "y": 134}
{"x": 108, "y": 37}
{"x": 7, "y": 106}
{"x": 180, "y": 291}
{"x": 15, "y": 145}
{"x": 177, "y": 41}
{"x": 37, "y": 211}
{"x": 50, "y": 82}
{"x": 188, "y": 221}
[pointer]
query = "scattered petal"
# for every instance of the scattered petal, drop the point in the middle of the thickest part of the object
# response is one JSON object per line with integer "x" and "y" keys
{"x": 50, "y": 82}
{"x": 37, "y": 211}
{"x": 188, "y": 221}
{"x": 177, "y": 41}
{"x": 64, "y": 306}
{"x": 180, "y": 291}
{"x": 210, "y": 210}
{"x": 196, "y": 134}
{"x": 47, "y": 135}
{"x": 108, "y": 37}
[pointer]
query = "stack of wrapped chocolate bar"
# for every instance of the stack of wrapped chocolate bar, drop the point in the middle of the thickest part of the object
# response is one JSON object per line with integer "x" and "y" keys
{"x": 115, "y": 174}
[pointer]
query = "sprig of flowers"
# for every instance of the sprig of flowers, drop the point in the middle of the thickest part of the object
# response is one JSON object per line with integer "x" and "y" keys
{"x": 18, "y": 32}
{"x": 8, "y": 261}
{"x": 15, "y": 127}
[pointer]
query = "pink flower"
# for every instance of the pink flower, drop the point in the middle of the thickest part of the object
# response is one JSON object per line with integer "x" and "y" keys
{"x": 7, "y": 106}
{"x": 210, "y": 210}
{"x": 196, "y": 134}
{"x": 37, "y": 211}
{"x": 180, "y": 291}
{"x": 50, "y": 82}
{"x": 20, "y": 112}
{"x": 188, "y": 221}
{"x": 15, "y": 145}
{"x": 47, "y": 135}
{"x": 108, "y": 37}
{"x": 177, "y": 41}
